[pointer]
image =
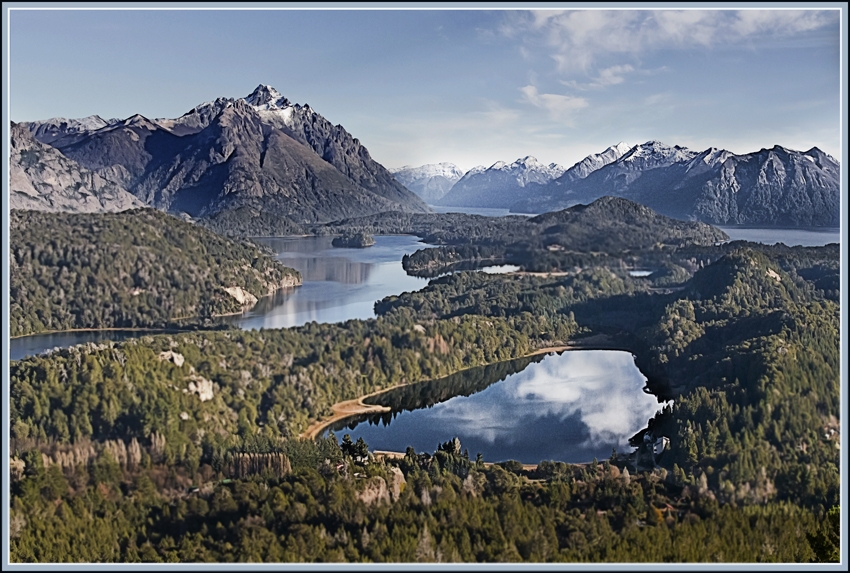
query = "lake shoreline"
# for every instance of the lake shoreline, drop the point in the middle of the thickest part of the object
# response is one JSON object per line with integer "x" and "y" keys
{"x": 109, "y": 329}
{"x": 355, "y": 406}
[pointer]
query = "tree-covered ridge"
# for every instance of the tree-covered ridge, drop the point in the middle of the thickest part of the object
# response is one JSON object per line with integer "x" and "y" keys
{"x": 139, "y": 268}
{"x": 748, "y": 350}
{"x": 755, "y": 360}
{"x": 608, "y": 224}
{"x": 191, "y": 389}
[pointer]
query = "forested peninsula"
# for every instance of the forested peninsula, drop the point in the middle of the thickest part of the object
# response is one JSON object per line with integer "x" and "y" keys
{"x": 138, "y": 268}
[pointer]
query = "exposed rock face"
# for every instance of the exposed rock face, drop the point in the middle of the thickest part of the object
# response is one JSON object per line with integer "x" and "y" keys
{"x": 243, "y": 297}
{"x": 375, "y": 491}
{"x": 61, "y": 131}
{"x": 200, "y": 386}
{"x": 771, "y": 187}
{"x": 259, "y": 152}
{"x": 431, "y": 182}
{"x": 43, "y": 179}
{"x": 172, "y": 356}
{"x": 500, "y": 185}
{"x": 397, "y": 483}
{"x": 595, "y": 162}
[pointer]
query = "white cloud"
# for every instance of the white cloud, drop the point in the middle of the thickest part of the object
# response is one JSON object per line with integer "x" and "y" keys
{"x": 577, "y": 39}
{"x": 560, "y": 107}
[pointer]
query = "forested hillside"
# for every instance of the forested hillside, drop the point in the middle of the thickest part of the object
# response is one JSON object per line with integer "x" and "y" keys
{"x": 184, "y": 447}
{"x": 139, "y": 268}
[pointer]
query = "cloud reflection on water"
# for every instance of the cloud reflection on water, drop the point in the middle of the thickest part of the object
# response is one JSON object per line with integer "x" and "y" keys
{"x": 601, "y": 389}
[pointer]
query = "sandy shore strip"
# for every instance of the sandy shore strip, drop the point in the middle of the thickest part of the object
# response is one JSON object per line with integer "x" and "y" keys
{"x": 356, "y": 406}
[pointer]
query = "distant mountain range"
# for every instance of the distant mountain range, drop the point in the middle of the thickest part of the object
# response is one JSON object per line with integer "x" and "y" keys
{"x": 263, "y": 158}
{"x": 501, "y": 185}
{"x": 261, "y": 152}
{"x": 771, "y": 187}
{"x": 430, "y": 181}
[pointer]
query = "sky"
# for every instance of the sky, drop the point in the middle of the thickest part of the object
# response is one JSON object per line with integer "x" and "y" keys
{"x": 470, "y": 87}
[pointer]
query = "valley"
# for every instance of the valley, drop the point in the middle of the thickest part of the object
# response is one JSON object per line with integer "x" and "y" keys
{"x": 221, "y": 295}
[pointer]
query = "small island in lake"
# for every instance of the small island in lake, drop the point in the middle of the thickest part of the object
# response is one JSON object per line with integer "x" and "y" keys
{"x": 355, "y": 240}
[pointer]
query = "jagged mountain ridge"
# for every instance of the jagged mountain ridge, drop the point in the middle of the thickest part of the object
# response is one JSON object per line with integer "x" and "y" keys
{"x": 431, "y": 182}
{"x": 331, "y": 142}
{"x": 259, "y": 151}
{"x": 771, "y": 187}
{"x": 42, "y": 179}
{"x": 62, "y": 131}
{"x": 500, "y": 185}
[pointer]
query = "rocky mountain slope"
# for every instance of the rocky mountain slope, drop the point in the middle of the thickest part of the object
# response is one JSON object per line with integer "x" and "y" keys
{"x": 594, "y": 162}
{"x": 771, "y": 187}
{"x": 431, "y": 182}
{"x": 62, "y": 131}
{"x": 260, "y": 151}
{"x": 43, "y": 179}
{"x": 500, "y": 185}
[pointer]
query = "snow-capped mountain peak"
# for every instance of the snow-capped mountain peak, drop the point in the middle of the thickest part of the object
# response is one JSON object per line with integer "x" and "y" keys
{"x": 267, "y": 98}
{"x": 596, "y": 161}
{"x": 430, "y": 181}
{"x": 448, "y": 170}
{"x": 709, "y": 158}
{"x": 656, "y": 153}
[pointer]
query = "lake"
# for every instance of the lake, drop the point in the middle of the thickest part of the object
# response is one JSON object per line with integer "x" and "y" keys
{"x": 568, "y": 407}
{"x": 38, "y": 343}
{"x": 338, "y": 284}
{"x": 806, "y": 237}
{"x": 341, "y": 284}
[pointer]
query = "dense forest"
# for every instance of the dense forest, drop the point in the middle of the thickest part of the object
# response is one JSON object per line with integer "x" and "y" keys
{"x": 139, "y": 268}
{"x": 331, "y": 503}
{"x": 184, "y": 447}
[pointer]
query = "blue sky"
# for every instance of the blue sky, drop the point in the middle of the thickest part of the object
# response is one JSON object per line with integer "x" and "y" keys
{"x": 465, "y": 86}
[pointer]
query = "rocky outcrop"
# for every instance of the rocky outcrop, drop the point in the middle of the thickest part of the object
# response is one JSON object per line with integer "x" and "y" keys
{"x": 172, "y": 356}
{"x": 374, "y": 491}
{"x": 43, "y": 179}
{"x": 200, "y": 386}
{"x": 243, "y": 297}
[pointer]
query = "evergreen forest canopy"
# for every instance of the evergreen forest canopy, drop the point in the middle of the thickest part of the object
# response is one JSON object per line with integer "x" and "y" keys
{"x": 139, "y": 268}
{"x": 186, "y": 447}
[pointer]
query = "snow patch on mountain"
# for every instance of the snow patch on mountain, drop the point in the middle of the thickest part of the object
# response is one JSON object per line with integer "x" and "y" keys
{"x": 596, "y": 161}
{"x": 656, "y": 154}
{"x": 431, "y": 182}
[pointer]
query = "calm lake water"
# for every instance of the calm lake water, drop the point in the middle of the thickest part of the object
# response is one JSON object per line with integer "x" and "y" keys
{"x": 570, "y": 407}
{"x": 813, "y": 237}
{"x": 341, "y": 284}
{"x": 338, "y": 284}
{"x": 32, "y": 345}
